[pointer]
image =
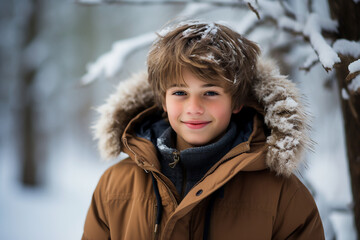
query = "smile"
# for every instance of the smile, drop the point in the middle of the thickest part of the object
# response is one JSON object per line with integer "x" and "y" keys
{"x": 196, "y": 124}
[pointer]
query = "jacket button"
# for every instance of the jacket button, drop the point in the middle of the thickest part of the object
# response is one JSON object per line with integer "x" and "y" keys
{"x": 198, "y": 193}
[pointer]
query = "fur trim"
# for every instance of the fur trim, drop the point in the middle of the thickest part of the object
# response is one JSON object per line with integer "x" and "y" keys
{"x": 281, "y": 100}
{"x": 131, "y": 97}
{"x": 285, "y": 116}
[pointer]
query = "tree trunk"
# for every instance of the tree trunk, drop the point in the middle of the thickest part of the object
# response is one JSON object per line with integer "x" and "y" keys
{"x": 29, "y": 174}
{"x": 348, "y": 15}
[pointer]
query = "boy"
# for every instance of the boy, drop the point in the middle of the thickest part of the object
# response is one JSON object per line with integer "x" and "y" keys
{"x": 213, "y": 157}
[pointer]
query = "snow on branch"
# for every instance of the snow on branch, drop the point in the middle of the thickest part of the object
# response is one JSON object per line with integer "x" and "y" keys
{"x": 313, "y": 27}
{"x": 279, "y": 12}
{"x": 311, "y": 30}
{"x": 110, "y": 63}
{"x": 353, "y": 78}
{"x": 346, "y": 47}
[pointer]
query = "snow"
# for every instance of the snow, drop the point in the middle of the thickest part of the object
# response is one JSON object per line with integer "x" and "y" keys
{"x": 327, "y": 55}
{"x": 210, "y": 29}
{"x": 346, "y": 47}
{"x": 354, "y": 66}
{"x": 329, "y": 157}
{"x": 326, "y": 24}
{"x": 354, "y": 85}
{"x": 344, "y": 94}
{"x": 110, "y": 63}
{"x": 55, "y": 211}
{"x": 310, "y": 60}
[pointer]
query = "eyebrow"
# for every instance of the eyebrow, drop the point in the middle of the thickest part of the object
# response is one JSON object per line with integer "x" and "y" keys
{"x": 203, "y": 86}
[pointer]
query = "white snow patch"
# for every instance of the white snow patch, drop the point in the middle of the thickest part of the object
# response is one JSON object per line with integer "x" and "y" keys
{"x": 344, "y": 94}
{"x": 210, "y": 29}
{"x": 354, "y": 85}
{"x": 161, "y": 144}
{"x": 354, "y": 66}
{"x": 346, "y": 47}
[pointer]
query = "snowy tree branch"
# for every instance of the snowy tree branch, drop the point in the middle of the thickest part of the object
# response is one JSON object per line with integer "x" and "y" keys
{"x": 327, "y": 56}
{"x": 314, "y": 30}
{"x": 111, "y": 63}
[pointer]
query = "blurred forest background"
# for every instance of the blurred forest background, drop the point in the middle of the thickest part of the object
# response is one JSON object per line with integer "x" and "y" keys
{"x": 49, "y": 164}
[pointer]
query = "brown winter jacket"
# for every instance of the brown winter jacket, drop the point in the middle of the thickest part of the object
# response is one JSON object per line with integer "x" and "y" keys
{"x": 250, "y": 193}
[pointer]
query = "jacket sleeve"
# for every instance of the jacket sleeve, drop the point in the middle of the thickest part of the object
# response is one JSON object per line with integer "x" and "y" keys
{"x": 298, "y": 217}
{"x": 96, "y": 226}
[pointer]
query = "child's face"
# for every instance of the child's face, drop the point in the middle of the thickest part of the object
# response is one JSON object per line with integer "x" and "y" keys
{"x": 198, "y": 112}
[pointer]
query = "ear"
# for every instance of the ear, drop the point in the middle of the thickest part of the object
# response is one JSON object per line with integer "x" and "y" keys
{"x": 237, "y": 110}
{"x": 164, "y": 106}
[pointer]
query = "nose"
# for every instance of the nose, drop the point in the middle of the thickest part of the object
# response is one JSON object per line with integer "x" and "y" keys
{"x": 194, "y": 106}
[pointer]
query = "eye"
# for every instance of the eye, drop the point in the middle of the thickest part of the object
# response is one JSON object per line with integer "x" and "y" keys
{"x": 179, "y": 93}
{"x": 211, "y": 93}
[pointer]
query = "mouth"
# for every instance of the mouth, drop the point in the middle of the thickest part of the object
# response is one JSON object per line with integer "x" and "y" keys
{"x": 196, "y": 124}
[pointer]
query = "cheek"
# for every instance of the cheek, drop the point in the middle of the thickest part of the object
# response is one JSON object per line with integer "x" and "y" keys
{"x": 173, "y": 109}
{"x": 221, "y": 110}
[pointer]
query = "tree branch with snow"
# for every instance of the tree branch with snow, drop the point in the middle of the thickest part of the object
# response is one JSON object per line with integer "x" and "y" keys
{"x": 313, "y": 31}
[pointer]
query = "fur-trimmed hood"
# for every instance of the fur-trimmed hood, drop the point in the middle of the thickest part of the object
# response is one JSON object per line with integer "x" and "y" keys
{"x": 277, "y": 98}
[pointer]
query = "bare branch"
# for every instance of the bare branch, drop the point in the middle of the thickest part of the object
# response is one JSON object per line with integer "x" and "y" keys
{"x": 252, "y": 8}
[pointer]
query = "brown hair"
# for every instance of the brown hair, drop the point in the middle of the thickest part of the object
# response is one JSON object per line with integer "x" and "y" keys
{"x": 211, "y": 51}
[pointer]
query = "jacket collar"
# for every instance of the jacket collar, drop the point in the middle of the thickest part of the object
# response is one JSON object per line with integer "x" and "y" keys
{"x": 275, "y": 97}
